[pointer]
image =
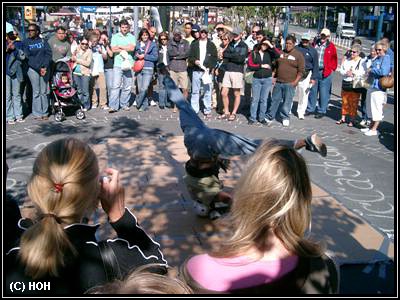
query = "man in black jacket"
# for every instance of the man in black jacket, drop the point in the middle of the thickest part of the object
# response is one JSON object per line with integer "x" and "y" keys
{"x": 203, "y": 59}
{"x": 235, "y": 55}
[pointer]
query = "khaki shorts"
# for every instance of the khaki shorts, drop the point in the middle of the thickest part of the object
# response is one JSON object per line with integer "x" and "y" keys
{"x": 233, "y": 80}
{"x": 181, "y": 79}
{"x": 203, "y": 189}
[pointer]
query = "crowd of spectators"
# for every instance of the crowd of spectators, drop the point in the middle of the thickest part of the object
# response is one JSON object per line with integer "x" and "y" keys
{"x": 207, "y": 66}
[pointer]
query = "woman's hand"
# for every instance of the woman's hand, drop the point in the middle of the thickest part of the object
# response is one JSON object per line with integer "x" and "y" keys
{"x": 112, "y": 195}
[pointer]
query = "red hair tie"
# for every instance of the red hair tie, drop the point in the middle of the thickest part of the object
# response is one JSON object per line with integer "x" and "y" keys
{"x": 58, "y": 187}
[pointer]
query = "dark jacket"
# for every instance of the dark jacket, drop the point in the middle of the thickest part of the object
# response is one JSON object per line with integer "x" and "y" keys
{"x": 211, "y": 55}
{"x": 38, "y": 53}
{"x": 254, "y": 62}
{"x": 178, "y": 53}
{"x": 14, "y": 62}
{"x": 310, "y": 59}
{"x": 236, "y": 57}
{"x": 132, "y": 248}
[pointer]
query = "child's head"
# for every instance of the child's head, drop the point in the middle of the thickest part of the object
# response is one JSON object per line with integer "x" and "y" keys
{"x": 64, "y": 78}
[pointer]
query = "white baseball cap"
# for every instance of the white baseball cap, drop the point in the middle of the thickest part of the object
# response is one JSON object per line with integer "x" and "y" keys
{"x": 326, "y": 31}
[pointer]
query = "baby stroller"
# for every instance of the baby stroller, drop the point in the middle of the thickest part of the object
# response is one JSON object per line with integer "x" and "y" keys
{"x": 64, "y": 96}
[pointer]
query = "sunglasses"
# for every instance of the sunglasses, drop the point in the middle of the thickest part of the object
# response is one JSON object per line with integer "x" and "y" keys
{"x": 225, "y": 39}
{"x": 84, "y": 44}
{"x": 378, "y": 49}
{"x": 354, "y": 51}
{"x": 31, "y": 29}
{"x": 254, "y": 32}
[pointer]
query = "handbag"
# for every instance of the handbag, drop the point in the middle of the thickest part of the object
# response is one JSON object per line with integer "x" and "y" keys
{"x": 248, "y": 77}
{"x": 347, "y": 86}
{"x": 139, "y": 64}
{"x": 386, "y": 82}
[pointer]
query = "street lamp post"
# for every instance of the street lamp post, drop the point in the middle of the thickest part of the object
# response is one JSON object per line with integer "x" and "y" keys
{"x": 287, "y": 18}
{"x": 380, "y": 23}
{"x": 23, "y": 22}
{"x": 206, "y": 16}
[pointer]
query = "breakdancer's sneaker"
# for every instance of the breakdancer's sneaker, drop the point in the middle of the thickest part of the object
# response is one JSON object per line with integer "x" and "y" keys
{"x": 315, "y": 144}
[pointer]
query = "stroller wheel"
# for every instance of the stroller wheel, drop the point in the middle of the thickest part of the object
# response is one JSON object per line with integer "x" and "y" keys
{"x": 80, "y": 115}
{"x": 59, "y": 116}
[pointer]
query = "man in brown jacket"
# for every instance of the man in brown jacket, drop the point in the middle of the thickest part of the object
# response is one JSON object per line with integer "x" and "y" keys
{"x": 289, "y": 71}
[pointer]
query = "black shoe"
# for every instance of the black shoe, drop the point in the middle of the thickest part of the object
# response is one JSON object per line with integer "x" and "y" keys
{"x": 250, "y": 122}
{"x": 319, "y": 116}
{"x": 315, "y": 144}
{"x": 308, "y": 113}
{"x": 263, "y": 122}
{"x": 162, "y": 107}
{"x": 110, "y": 111}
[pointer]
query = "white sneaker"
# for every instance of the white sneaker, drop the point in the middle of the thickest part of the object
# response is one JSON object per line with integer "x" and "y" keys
{"x": 364, "y": 129}
{"x": 363, "y": 122}
{"x": 371, "y": 133}
{"x": 153, "y": 103}
{"x": 301, "y": 117}
{"x": 105, "y": 107}
{"x": 285, "y": 123}
{"x": 134, "y": 103}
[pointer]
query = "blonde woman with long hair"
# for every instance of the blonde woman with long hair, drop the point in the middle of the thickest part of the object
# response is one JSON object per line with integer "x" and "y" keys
{"x": 266, "y": 251}
{"x": 58, "y": 247}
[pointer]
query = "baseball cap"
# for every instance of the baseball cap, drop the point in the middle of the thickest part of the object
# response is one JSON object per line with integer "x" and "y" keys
{"x": 204, "y": 28}
{"x": 195, "y": 28}
{"x": 306, "y": 36}
{"x": 237, "y": 30}
{"x": 326, "y": 31}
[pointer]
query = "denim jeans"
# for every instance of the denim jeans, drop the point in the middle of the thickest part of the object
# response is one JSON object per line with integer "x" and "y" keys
{"x": 162, "y": 93}
{"x": 108, "y": 73}
{"x": 281, "y": 92}
{"x": 196, "y": 85}
{"x": 121, "y": 88}
{"x": 261, "y": 89}
{"x": 40, "y": 100}
{"x": 82, "y": 82}
{"x": 13, "y": 99}
{"x": 144, "y": 78}
{"x": 323, "y": 86}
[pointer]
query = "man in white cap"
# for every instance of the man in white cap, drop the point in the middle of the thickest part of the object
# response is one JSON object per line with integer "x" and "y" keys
{"x": 310, "y": 75}
{"x": 327, "y": 64}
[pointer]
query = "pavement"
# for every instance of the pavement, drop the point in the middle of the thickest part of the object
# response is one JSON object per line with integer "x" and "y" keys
{"x": 353, "y": 187}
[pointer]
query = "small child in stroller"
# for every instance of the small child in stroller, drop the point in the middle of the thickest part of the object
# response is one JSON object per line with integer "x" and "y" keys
{"x": 65, "y": 89}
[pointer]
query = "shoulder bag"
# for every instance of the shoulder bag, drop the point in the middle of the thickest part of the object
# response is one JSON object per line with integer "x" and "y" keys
{"x": 387, "y": 82}
{"x": 139, "y": 64}
{"x": 248, "y": 75}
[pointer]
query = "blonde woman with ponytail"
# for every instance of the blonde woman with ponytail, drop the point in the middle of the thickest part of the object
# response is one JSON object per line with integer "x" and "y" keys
{"x": 58, "y": 247}
{"x": 266, "y": 250}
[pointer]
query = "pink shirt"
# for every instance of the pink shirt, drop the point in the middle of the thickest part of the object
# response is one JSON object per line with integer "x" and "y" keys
{"x": 225, "y": 274}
